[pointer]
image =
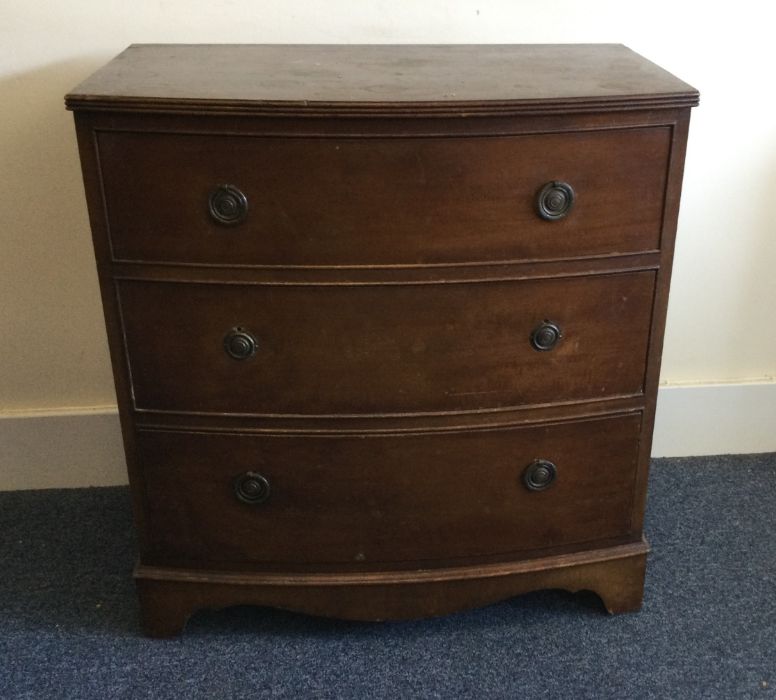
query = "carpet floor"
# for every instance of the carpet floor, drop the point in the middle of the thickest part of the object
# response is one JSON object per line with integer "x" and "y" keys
{"x": 69, "y": 622}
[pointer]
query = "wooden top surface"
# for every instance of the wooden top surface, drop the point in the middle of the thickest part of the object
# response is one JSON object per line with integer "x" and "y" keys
{"x": 379, "y": 79}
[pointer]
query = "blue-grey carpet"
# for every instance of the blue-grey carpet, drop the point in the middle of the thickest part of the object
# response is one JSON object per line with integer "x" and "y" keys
{"x": 69, "y": 625}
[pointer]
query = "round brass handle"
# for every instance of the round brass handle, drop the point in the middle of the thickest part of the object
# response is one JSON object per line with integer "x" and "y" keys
{"x": 240, "y": 344}
{"x": 546, "y": 336}
{"x": 539, "y": 475}
{"x": 228, "y": 205}
{"x": 251, "y": 488}
{"x": 555, "y": 200}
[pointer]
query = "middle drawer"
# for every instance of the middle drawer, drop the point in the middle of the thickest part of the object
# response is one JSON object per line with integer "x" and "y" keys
{"x": 384, "y": 349}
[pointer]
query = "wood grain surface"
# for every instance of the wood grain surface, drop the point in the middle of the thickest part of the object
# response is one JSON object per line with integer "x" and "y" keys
{"x": 386, "y": 498}
{"x": 383, "y": 349}
{"x": 392, "y": 267}
{"x": 382, "y": 201}
{"x": 380, "y": 79}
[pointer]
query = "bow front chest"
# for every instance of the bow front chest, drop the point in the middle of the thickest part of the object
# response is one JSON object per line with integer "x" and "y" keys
{"x": 385, "y": 321}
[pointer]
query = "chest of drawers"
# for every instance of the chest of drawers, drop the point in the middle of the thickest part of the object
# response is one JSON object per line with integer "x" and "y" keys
{"x": 385, "y": 321}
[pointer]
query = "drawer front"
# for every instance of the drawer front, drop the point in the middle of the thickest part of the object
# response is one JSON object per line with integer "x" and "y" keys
{"x": 376, "y": 349}
{"x": 380, "y": 201}
{"x": 385, "y": 498}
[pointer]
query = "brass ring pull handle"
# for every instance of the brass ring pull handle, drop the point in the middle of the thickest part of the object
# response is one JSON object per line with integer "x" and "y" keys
{"x": 228, "y": 205}
{"x": 251, "y": 488}
{"x": 546, "y": 336}
{"x": 555, "y": 200}
{"x": 539, "y": 475}
{"x": 240, "y": 344}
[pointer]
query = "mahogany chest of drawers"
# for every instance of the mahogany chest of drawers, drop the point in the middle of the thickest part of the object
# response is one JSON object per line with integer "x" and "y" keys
{"x": 385, "y": 321}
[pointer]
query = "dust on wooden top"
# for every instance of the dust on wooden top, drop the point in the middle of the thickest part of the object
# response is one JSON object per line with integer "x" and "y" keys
{"x": 379, "y": 80}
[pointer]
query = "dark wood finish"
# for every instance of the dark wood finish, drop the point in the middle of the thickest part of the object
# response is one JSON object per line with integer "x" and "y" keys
{"x": 375, "y": 79}
{"x": 344, "y": 350}
{"x": 355, "y": 499}
{"x": 405, "y": 423}
{"x": 394, "y": 383}
{"x": 315, "y": 202}
{"x": 168, "y": 597}
{"x": 399, "y": 274}
{"x": 660, "y": 306}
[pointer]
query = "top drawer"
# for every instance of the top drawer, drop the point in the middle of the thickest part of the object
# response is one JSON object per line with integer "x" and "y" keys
{"x": 325, "y": 201}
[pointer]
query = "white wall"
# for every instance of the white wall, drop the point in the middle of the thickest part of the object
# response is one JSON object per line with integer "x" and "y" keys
{"x": 721, "y": 325}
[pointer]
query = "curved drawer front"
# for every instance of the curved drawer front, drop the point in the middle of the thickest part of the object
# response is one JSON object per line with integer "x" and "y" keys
{"x": 380, "y": 349}
{"x": 386, "y": 498}
{"x": 317, "y": 201}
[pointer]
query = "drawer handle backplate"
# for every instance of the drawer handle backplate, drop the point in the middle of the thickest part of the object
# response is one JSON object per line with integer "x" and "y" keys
{"x": 228, "y": 205}
{"x": 240, "y": 344}
{"x": 555, "y": 200}
{"x": 546, "y": 336}
{"x": 251, "y": 488}
{"x": 539, "y": 475}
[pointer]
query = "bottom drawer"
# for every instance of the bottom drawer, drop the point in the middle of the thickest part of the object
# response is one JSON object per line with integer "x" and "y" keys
{"x": 385, "y": 498}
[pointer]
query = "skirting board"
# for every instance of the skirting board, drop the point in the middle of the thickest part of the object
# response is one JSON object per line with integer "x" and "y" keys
{"x": 715, "y": 419}
{"x": 71, "y": 448}
{"x": 66, "y": 448}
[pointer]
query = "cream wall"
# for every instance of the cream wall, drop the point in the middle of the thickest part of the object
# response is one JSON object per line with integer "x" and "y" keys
{"x": 722, "y": 321}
